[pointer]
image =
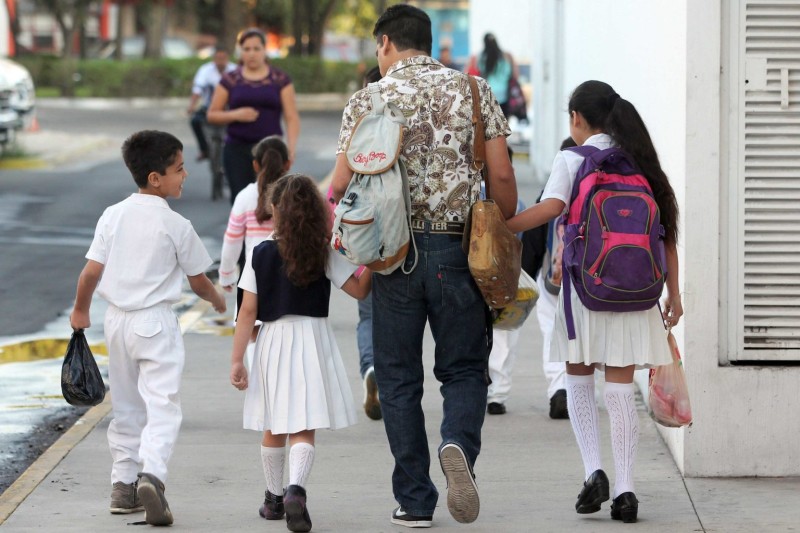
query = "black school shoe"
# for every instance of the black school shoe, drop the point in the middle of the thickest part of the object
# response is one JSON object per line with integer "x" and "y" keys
{"x": 594, "y": 492}
{"x": 625, "y": 507}
{"x": 558, "y": 405}
{"x": 272, "y": 509}
{"x": 294, "y": 503}
{"x": 496, "y": 408}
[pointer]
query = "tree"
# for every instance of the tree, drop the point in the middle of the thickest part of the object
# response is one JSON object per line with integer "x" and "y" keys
{"x": 309, "y": 19}
{"x": 70, "y": 15}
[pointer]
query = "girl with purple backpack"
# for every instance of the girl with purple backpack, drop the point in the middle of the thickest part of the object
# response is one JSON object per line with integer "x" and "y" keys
{"x": 611, "y": 341}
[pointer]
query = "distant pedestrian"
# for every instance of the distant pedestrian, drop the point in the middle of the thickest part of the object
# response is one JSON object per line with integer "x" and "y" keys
{"x": 140, "y": 253}
{"x": 205, "y": 80}
{"x": 496, "y": 67}
{"x": 548, "y": 281}
{"x": 446, "y": 58}
{"x": 366, "y": 353}
{"x": 617, "y": 342}
{"x": 297, "y": 382}
{"x": 251, "y": 100}
{"x": 250, "y": 220}
{"x": 443, "y": 184}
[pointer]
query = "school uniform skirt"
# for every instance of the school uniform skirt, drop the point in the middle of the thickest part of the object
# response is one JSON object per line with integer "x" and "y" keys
{"x": 297, "y": 380}
{"x": 610, "y": 338}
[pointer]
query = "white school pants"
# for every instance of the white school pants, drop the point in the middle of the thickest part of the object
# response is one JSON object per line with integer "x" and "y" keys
{"x": 501, "y": 363}
{"x": 555, "y": 373}
{"x": 145, "y": 362}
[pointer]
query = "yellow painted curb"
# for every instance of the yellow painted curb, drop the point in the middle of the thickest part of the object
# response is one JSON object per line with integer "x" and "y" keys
{"x": 36, "y": 472}
{"x": 21, "y": 163}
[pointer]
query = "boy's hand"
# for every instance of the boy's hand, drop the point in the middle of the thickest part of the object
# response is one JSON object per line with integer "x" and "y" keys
{"x": 219, "y": 304}
{"x": 238, "y": 376}
{"x": 79, "y": 320}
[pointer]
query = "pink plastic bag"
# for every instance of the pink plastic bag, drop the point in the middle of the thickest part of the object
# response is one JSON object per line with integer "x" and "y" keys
{"x": 669, "y": 394}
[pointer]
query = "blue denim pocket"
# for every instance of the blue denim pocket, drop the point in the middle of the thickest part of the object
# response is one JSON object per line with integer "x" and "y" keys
{"x": 458, "y": 288}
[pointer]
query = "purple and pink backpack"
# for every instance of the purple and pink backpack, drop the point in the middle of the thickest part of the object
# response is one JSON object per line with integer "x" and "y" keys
{"x": 613, "y": 239}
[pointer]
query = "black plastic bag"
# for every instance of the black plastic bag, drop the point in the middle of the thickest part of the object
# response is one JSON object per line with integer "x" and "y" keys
{"x": 81, "y": 382}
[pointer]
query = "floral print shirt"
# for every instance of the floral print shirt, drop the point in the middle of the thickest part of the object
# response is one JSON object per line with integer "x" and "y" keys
{"x": 437, "y": 142}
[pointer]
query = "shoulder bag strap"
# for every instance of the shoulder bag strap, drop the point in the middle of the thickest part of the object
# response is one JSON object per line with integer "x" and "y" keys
{"x": 479, "y": 140}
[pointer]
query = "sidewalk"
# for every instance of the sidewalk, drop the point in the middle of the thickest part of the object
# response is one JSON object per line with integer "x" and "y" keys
{"x": 529, "y": 471}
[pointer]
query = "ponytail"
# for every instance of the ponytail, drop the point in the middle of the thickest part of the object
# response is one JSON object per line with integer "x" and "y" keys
{"x": 272, "y": 155}
{"x": 603, "y": 108}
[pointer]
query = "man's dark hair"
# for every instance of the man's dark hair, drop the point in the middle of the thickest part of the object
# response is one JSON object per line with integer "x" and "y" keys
{"x": 408, "y": 27}
{"x": 149, "y": 151}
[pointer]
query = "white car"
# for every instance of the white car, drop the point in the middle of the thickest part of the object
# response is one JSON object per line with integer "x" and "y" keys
{"x": 17, "y": 99}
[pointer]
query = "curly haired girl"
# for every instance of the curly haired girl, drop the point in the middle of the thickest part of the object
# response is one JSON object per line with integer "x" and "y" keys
{"x": 299, "y": 382}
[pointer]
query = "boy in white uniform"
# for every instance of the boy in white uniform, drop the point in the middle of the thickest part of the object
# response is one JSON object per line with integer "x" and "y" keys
{"x": 140, "y": 252}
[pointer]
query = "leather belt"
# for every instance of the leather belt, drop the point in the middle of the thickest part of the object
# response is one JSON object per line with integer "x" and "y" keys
{"x": 445, "y": 226}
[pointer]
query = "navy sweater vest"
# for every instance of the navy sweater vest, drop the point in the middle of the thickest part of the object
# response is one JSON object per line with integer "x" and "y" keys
{"x": 277, "y": 296}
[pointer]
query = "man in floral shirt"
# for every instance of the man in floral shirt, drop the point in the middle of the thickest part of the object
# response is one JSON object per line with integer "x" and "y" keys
{"x": 437, "y": 152}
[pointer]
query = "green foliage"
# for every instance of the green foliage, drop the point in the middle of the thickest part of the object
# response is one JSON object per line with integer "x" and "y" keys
{"x": 173, "y": 77}
{"x": 355, "y": 17}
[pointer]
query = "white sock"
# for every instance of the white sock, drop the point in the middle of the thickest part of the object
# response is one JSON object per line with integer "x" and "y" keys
{"x": 585, "y": 420}
{"x": 621, "y": 405}
{"x": 272, "y": 459}
{"x": 301, "y": 459}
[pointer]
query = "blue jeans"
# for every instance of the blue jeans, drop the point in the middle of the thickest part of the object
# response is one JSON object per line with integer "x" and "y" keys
{"x": 364, "y": 334}
{"x": 439, "y": 291}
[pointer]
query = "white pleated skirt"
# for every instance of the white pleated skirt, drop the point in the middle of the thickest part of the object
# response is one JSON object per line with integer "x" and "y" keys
{"x": 297, "y": 380}
{"x": 610, "y": 338}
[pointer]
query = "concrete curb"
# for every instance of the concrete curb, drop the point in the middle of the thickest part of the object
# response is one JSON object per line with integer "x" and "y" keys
{"x": 41, "y": 468}
{"x": 305, "y": 102}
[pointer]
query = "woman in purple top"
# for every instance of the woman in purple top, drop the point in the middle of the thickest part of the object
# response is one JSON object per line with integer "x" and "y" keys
{"x": 250, "y": 101}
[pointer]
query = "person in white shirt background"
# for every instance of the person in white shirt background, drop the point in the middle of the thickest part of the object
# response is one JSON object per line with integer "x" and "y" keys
{"x": 205, "y": 80}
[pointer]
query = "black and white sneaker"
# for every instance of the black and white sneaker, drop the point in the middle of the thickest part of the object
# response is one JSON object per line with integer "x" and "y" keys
{"x": 402, "y": 518}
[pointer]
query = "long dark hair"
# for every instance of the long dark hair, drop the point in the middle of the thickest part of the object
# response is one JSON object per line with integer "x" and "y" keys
{"x": 272, "y": 154}
{"x": 603, "y": 109}
{"x": 491, "y": 54}
{"x": 301, "y": 227}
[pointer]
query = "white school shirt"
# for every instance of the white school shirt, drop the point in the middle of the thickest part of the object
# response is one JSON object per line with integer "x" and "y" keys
{"x": 565, "y": 168}
{"x": 145, "y": 248}
{"x": 242, "y": 226}
{"x": 206, "y": 80}
{"x": 338, "y": 270}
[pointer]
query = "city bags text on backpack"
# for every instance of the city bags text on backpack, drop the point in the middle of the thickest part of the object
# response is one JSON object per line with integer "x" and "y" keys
{"x": 371, "y": 221}
{"x": 613, "y": 240}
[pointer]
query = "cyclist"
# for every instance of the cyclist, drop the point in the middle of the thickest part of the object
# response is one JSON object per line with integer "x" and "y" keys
{"x": 205, "y": 80}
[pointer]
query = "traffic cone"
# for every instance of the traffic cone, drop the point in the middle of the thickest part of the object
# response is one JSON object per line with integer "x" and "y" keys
{"x": 34, "y": 127}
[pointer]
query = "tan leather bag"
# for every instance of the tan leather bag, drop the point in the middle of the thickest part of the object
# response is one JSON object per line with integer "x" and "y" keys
{"x": 493, "y": 252}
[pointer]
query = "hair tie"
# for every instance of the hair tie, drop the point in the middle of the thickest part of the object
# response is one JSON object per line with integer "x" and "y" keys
{"x": 612, "y": 99}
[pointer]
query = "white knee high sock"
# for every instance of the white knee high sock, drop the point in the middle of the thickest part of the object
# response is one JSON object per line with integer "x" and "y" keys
{"x": 621, "y": 407}
{"x": 585, "y": 420}
{"x": 273, "y": 459}
{"x": 301, "y": 459}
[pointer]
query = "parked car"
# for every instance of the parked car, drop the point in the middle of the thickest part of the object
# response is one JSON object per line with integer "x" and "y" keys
{"x": 17, "y": 99}
{"x": 133, "y": 48}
